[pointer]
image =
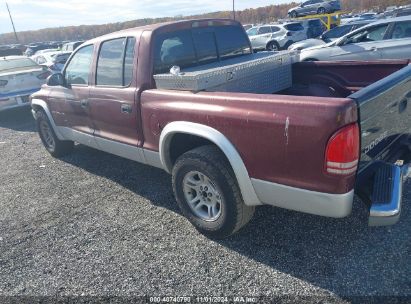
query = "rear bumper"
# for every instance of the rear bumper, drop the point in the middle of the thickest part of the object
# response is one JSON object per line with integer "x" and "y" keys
{"x": 387, "y": 212}
{"x": 318, "y": 203}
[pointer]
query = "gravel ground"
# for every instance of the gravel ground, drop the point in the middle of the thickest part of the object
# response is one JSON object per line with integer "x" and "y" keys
{"x": 92, "y": 224}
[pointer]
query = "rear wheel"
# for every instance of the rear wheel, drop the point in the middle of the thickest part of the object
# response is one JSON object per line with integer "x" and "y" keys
{"x": 273, "y": 46}
{"x": 321, "y": 11}
{"x": 49, "y": 139}
{"x": 207, "y": 192}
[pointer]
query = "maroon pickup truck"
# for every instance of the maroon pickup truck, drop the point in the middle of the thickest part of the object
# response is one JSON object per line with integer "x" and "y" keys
{"x": 341, "y": 128}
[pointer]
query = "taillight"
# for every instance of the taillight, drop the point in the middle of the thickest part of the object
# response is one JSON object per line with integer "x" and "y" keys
{"x": 343, "y": 151}
{"x": 44, "y": 75}
{"x": 3, "y": 83}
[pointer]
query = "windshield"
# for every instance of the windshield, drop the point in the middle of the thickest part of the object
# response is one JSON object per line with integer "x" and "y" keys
{"x": 252, "y": 31}
{"x": 10, "y": 64}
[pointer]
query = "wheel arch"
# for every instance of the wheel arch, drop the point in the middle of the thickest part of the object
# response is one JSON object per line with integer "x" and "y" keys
{"x": 39, "y": 104}
{"x": 215, "y": 137}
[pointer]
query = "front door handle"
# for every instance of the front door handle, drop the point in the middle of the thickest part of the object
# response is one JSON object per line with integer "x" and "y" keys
{"x": 126, "y": 109}
{"x": 84, "y": 103}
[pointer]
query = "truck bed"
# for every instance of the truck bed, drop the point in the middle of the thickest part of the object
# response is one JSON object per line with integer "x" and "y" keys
{"x": 289, "y": 127}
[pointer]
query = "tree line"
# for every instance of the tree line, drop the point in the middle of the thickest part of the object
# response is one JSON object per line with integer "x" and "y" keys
{"x": 258, "y": 15}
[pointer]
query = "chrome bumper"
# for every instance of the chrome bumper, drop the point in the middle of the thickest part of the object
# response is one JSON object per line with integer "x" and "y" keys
{"x": 385, "y": 213}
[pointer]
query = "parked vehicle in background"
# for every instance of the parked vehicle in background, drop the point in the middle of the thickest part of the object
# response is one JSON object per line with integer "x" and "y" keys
{"x": 33, "y": 48}
{"x": 248, "y": 26}
{"x": 7, "y": 50}
{"x": 312, "y": 7}
{"x": 329, "y": 36}
{"x": 314, "y": 27}
{"x": 370, "y": 17}
{"x": 339, "y": 127}
{"x": 401, "y": 12}
{"x": 384, "y": 39}
{"x": 46, "y": 51}
{"x": 19, "y": 77}
{"x": 277, "y": 36}
{"x": 54, "y": 61}
{"x": 71, "y": 46}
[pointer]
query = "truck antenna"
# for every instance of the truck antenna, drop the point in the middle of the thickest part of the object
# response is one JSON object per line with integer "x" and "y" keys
{"x": 12, "y": 23}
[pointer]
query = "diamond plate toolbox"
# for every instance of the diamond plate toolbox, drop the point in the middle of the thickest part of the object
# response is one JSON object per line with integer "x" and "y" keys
{"x": 263, "y": 73}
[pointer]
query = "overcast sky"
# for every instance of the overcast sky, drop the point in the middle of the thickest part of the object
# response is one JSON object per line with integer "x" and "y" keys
{"x": 37, "y": 14}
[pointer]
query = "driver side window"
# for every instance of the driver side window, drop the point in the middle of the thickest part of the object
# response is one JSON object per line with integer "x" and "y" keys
{"x": 78, "y": 70}
{"x": 371, "y": 34}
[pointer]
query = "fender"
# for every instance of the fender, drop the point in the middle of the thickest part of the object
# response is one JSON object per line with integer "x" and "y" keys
{"x": 42, "y": 104}
{"x": 247, "y": 190}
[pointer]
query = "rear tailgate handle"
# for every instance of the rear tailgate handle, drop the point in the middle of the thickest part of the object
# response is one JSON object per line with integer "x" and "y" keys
{"x": 126, "y": 109}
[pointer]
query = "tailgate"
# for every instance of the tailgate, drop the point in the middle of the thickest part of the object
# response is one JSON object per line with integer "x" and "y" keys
{"x": 384, "y": 113}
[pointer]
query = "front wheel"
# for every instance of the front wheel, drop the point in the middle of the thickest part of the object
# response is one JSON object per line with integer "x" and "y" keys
{"x": 49, "y": 139}
{"x": 321, "y": 11}
{"x": 207, "y": 192}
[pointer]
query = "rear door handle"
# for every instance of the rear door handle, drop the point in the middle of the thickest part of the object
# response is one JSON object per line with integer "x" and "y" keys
{"x": 126, "y": 109}
{"x": 84, "y": 103}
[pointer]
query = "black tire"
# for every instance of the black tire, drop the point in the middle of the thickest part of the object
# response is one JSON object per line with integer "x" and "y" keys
{"x": 321, "y": 11}
{"x": 273, "y": 46}
{"x": 288, "y": 44}
{"x": 293, "y": 14}
{"x": 211, "y": 162}
{"x": 53, "y": 145}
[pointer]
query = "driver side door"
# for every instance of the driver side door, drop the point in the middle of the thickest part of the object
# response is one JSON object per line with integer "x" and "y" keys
{"x": 363, "y": 45}
{"x": 70, "y": 103}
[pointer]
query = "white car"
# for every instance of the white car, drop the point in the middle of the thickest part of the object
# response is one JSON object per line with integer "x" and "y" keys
{"x": 277, "y": 36}
{"x": 19, "y": 78}
{"x": 54, "y": 61}
{"x": 385, "y": 39}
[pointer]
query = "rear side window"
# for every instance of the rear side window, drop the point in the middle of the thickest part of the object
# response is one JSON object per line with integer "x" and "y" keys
{"x": 402, "y": 30}
{"x": 205, "y": 44}
{"x": 275, "y": 29}
{"x": 115, "y": 62}
{"x": 176, "y": 48}
{"x": 78, "y": 70}
{"x": 198, "y": 46}
{"x": 294, "y": 27}
{"x": 264, "y": 30}
{"x": 231, "y": 41}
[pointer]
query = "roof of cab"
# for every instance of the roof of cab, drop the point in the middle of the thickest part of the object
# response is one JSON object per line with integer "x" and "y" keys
{"x": 136, "y": 31}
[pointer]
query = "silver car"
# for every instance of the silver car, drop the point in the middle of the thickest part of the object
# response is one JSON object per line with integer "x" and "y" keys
{"x": 312, "y": 7}
{"x": 276, "y": 37}
{"x": 385, "y": 39}
{"x": 328, "y": 36}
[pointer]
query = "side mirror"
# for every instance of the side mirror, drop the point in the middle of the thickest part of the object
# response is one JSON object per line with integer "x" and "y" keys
{"x": 56, "y": 80}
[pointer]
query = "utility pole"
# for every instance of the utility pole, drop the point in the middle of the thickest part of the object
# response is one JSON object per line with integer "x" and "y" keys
{"x": 12, "y": 23}
{"x": 233, "y": 10}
